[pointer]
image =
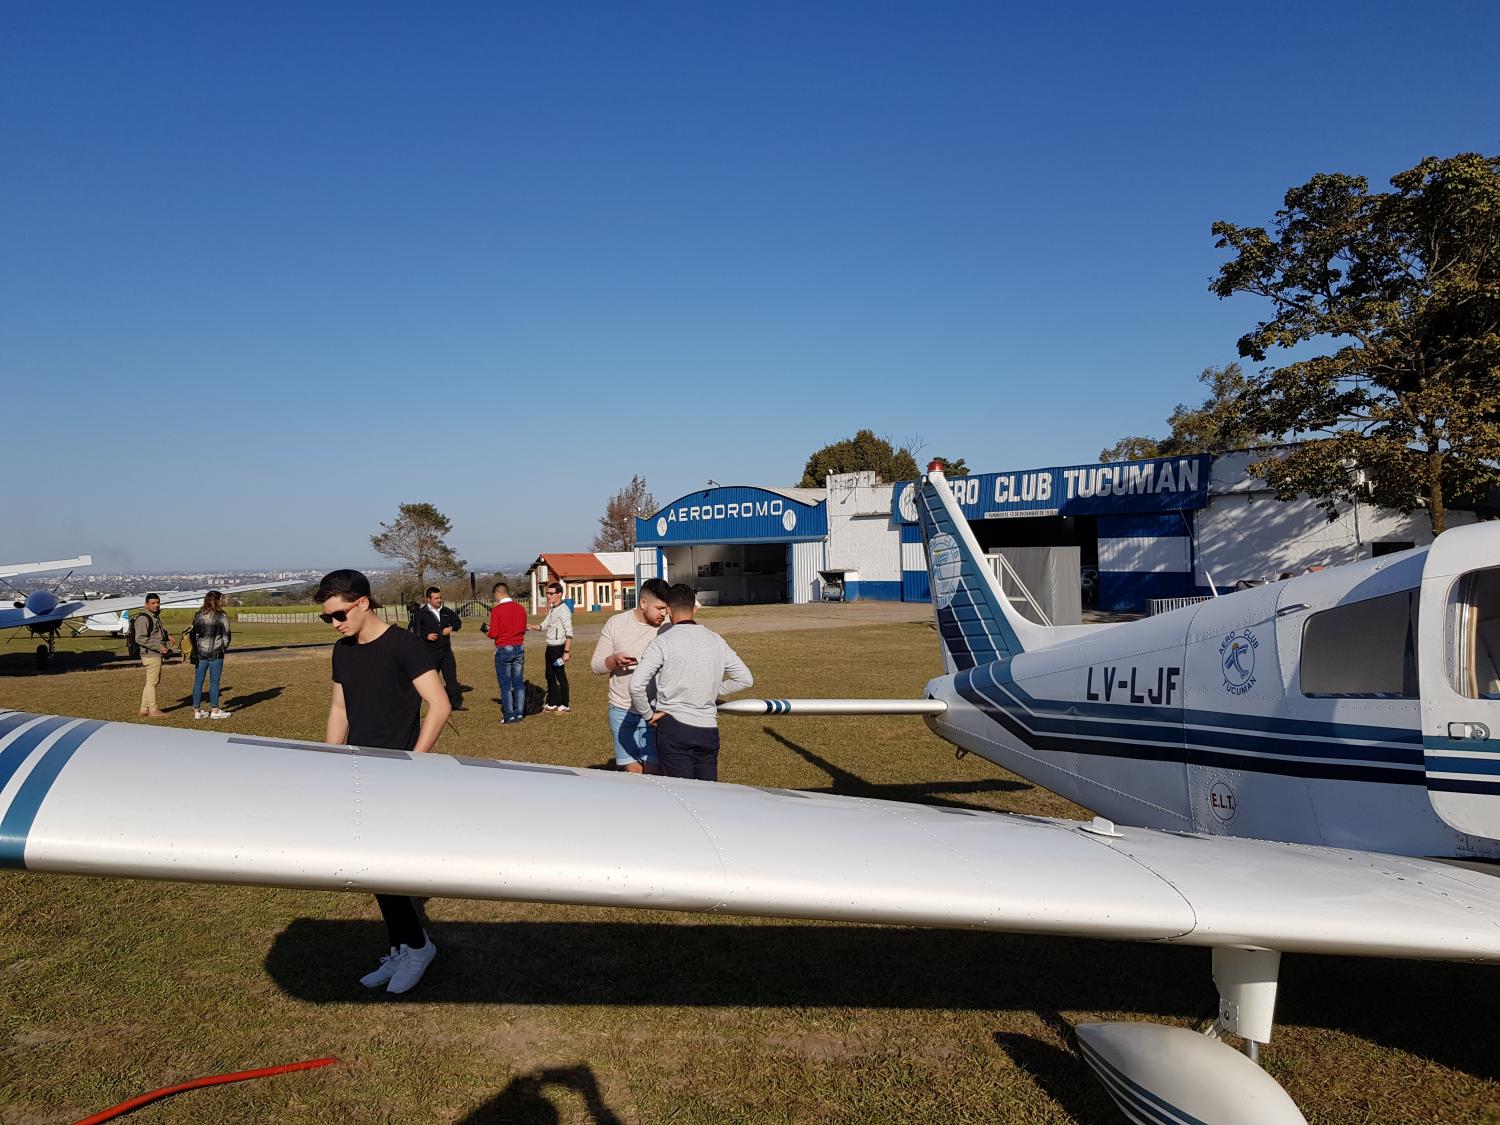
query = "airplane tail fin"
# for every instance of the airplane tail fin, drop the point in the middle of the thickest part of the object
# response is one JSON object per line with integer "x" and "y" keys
{"x": 976, "y": 624}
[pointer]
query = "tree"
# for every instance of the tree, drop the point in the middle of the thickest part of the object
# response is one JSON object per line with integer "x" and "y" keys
{"x": 1406, "y": 409}
{"x": 1217, "y": 426}
{"x": 617, "y": 524}
{"x": 861, "y": 453}
{"x": 415, "y": 539}
{"x": 1133, "y": 448}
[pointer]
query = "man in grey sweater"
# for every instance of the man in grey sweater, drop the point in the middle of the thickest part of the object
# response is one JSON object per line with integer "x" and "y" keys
{"x": 693, "y": 667}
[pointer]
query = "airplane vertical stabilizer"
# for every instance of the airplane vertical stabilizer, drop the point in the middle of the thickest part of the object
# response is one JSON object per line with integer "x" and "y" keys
{"x": 976, "y": 624}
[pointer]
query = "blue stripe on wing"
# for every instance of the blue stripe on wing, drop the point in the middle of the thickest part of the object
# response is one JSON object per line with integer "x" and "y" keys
{"x": 15, "y": 825}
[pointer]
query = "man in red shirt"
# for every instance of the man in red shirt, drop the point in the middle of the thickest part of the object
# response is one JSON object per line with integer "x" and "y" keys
{"x": 507, "y": 628}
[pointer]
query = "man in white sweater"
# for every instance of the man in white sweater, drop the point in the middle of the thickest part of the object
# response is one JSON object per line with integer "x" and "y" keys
{"x": 692, "y": 668}
{"x": 622, "y": 642}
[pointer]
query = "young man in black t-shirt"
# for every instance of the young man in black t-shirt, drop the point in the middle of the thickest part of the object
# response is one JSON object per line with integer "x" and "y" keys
{"x": 381, "y": 678}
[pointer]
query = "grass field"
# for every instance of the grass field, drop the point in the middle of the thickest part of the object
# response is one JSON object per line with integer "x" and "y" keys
{"x": 545, "y": 1014}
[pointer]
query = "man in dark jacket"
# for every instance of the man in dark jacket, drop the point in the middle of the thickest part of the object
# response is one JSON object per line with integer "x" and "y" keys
{"x": 435, "y": 623}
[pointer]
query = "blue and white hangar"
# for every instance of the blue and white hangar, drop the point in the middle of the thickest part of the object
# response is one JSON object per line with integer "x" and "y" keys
{"x": 1120, "y": 534}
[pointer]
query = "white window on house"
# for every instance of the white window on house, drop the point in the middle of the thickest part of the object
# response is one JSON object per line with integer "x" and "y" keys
{"x": 1474, "y": 654}
{"x": 575, "y": 592}
{"x": 1363, "y": 650}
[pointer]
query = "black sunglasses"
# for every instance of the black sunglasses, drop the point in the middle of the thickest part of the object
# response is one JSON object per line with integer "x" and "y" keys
{"x": 336, "y": 615}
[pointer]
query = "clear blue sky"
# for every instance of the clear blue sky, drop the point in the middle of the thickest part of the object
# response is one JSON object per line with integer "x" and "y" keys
{"x": 268, "y": 270}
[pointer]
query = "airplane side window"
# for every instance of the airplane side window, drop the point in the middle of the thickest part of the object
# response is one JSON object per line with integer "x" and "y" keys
{"x": 1363, "y": 650}
{"x": 1478, "y": 623}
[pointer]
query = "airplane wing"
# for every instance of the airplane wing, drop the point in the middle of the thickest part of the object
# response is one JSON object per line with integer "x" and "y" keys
{"x": 61, "y": 611}
{"x": 10, "y": 570}
{"x": 116, "y": 799}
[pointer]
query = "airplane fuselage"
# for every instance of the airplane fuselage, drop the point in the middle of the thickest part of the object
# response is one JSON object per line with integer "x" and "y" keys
{"x": 1201, "y": 720}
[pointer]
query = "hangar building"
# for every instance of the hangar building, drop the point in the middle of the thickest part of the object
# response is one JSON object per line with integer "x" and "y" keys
{"x": 1162, "y": 528}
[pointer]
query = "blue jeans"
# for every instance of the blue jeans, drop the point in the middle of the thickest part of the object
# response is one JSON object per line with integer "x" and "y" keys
{"x": 213, "y": 669}
{"x": 510, "y": 675}
{"x": 634, "y": 739}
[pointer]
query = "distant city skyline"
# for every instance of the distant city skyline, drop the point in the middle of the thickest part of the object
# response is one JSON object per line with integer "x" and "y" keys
{"x": 272, "y": 271}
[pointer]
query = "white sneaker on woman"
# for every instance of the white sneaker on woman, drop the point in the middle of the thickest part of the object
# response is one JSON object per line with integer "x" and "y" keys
{"x": 410, "y": 965}
{"x": 199, "y": 713}
{"x": 384, "y": 971}
{"x": 218, "y": 714}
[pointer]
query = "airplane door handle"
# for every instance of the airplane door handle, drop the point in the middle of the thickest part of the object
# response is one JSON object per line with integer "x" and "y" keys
{"x": 1468, "y": 732}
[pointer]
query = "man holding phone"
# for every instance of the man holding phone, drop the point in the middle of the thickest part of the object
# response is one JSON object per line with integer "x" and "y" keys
{"x": 621, "y": 643}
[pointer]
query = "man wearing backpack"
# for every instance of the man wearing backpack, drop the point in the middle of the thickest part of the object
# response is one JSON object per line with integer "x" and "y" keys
{"x": 151, "y": 637}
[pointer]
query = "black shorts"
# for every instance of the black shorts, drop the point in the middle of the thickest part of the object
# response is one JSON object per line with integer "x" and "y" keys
{"x": 687, "y": 751}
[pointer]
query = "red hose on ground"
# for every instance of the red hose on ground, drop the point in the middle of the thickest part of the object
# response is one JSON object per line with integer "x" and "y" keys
{"x": 197, "y": 1083}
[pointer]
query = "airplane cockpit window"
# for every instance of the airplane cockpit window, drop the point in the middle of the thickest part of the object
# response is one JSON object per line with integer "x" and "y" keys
{"x": 1478, "y": 634}
{"x": 1363, "y": 650}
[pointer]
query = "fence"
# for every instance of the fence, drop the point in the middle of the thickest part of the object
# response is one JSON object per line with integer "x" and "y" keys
{"x": 1167, "y": 605}
{"x": 396, "y": 615}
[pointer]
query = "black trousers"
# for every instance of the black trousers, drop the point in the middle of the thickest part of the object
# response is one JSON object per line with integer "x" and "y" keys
{"x": 557, "y": 677}
{"x": 448, "y": 668}
{"x": 687, "y": 751}
{"x": 401, "y": 920}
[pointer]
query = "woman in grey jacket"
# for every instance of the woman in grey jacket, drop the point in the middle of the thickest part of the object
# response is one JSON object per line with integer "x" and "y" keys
{"x": 210, "y": 643}
{"x": 557, "y": 629}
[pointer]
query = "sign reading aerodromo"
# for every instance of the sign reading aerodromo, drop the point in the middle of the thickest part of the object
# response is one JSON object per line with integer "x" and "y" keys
{"x": 736, "y": 513}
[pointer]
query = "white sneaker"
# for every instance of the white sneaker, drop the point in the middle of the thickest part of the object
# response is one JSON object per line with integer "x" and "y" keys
{"x": 219, "y": 714}
{"x": 385, "y": 971}
{"x": 548, "y": 707}
{"x": 563, "y": 709}
{"x": 410, "y": 965}
{"x": 199, "y": 714}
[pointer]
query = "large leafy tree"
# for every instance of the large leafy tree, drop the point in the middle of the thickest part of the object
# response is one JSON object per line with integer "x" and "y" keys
{"x": 1216, "y": 426}
{"x": 415, "y": 538}
{"x": 1404, "y": 288}
{"x": 861, "y": 453}
{"x": 617, "y": 524}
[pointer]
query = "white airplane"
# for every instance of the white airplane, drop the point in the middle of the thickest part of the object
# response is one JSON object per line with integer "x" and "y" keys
{"x": 1251, "y": 801}
{"x": 44, "y": 614}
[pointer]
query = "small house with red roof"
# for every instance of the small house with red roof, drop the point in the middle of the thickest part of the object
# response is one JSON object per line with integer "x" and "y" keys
{"x": 596, "y": 581}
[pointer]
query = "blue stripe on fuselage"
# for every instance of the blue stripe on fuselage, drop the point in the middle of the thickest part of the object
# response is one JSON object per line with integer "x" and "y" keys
{"x": 1146, "y": 1104}
{"x": 1085, "y": 728}
{"x": 16, "y": 824}
{"x": 1201, "y": 728}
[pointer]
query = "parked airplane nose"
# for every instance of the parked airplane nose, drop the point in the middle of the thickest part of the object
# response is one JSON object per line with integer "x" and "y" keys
{"x": 41, "y": 602}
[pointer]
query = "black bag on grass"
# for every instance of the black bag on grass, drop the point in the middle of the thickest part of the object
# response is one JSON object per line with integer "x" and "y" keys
{"x": 535, "y": 697}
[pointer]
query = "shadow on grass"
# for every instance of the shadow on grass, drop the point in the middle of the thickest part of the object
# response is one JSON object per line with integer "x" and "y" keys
{"x": 242, "y": 702}
{"x": 1409, "y": 1005}
{"x": 19, "y": 662}
{"x": 1057, "y": 1069}
{"x": 848, "y": 784}
{"x": 525, "y": 1101}
{"x": 227, "y": 699}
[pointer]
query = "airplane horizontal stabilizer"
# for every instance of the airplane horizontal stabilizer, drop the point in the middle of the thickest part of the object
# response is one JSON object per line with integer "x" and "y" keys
{"x": 833, "y": 707}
